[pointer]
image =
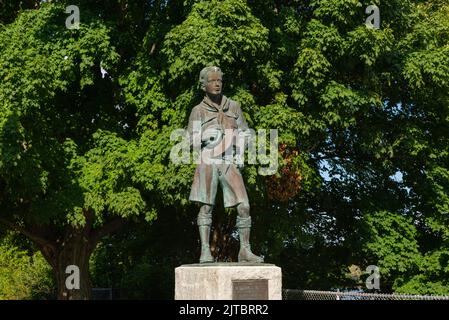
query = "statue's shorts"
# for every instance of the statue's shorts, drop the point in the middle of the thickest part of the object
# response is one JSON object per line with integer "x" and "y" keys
{"x": 206, "y": 180}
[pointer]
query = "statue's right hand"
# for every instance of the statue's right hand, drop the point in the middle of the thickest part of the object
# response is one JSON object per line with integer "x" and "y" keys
{"x": 211, "y": 136}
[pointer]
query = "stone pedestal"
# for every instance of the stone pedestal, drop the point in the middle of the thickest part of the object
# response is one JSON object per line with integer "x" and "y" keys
{"x": 228, "y": 281}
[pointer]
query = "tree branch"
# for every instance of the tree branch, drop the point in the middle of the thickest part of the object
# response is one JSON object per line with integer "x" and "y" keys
{"x": 107, "y": 228}
{"x": 36, "y": 238}
{"x": 89, "y": 221}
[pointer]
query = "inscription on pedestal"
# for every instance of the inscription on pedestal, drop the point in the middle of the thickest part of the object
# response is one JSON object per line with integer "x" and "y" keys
{"x": 256, "y": 289}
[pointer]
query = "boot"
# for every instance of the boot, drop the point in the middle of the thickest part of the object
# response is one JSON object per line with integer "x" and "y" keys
{"x": 245, "y": 254}
{"x": 204, "y": 223}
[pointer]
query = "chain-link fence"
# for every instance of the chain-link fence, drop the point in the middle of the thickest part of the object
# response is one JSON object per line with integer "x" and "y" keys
{"x": 290, "y": 294}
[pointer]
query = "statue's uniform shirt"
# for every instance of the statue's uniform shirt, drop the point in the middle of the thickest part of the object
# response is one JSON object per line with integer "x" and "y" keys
{"x": 227, "y": 115}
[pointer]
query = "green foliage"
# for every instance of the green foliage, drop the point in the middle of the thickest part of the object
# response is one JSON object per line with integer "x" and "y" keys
{"x": 393, "y": 244}
{"x": 432, "y": 276}
{"x": 215, "y": 32}
{"x": 42, "y": 125}
{"x": 365, "y": 111}
{"x": 23, "y": 275}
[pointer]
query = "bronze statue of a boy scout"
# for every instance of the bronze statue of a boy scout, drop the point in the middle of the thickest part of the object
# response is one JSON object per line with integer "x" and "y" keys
{"x": 215, "y": 117}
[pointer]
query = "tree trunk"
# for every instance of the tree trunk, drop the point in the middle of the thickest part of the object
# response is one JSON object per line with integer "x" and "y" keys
{"x": 72, "y": 272}
{"x": 70, "y": 263}
{"x": 69, "y": 256}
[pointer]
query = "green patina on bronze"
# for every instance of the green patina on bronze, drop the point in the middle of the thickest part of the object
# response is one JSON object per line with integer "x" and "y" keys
{"x": 216, "y": 114}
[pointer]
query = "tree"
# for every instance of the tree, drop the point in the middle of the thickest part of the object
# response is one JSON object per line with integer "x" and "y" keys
{"x": 64, "y": 181}
{"x": 86, "y": 117}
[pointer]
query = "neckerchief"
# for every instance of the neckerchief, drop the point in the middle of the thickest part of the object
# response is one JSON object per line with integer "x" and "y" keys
{"x": 222, "y": 108}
